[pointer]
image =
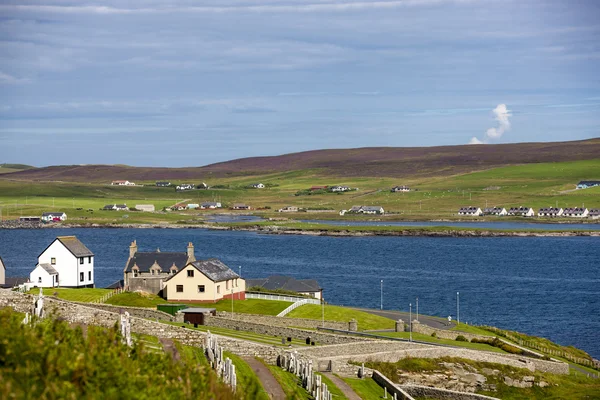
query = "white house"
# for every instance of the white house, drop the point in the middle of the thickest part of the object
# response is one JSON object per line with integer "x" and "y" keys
{"x": 192, "y": 206}
{"x": 521, "y": 211}
{"x": 122, "y": 183}
{"x": 185, "y": 186}
{"x": 470, "y": 211}
{"x": 550, "y": 212}
{"x": 576, "y": 212}
{"x": 54, "y": 216}
{"x": 257, "y": 186}
{"x": 66, "y": 262}
{"x": 339, "y": 188}
{"x": 364, "y": 210}
{"x": 288, "y": 209}
{"x": 594, "y": 213}
{"x": 499, "y": 211}
{"x": 209, "y": 204}
{"x": 402, "y": 188}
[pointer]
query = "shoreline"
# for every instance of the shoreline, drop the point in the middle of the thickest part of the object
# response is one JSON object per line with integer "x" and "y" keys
{"x": 327, "y": 230}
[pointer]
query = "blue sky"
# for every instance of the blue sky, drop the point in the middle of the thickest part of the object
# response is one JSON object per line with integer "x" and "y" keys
{"x": 187, "y": 83}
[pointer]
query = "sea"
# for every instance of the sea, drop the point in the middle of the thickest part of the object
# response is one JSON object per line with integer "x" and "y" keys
{"x": 543, "y": 286}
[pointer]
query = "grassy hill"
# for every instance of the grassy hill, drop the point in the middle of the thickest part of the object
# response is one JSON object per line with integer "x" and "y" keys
{"x": 398, "y": 162}
{"x": 8, "y": 168}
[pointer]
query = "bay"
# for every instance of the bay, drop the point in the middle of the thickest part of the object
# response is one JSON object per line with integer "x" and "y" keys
{"x": 544, "y": 286}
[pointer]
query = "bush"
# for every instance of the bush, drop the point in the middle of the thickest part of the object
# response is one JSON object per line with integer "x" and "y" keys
{"x": 434, "y": 335}
{"x": 461, "y": 338}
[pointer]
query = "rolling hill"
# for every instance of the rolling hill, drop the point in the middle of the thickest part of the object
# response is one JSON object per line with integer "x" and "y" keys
{"x": 398, "y": 162}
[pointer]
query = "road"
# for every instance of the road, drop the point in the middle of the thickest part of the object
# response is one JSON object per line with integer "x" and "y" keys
{"x": 434, "y": 322}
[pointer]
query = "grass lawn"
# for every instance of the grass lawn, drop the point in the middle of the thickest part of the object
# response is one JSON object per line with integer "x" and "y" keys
{"x": 252, "y": 306}
{"x": 366, "y": 388}
{"x": 365, "y": 320}
{"x": 134, "y": 299}
{"x": 430, "y": 339}
{"x": 472, "y": 329}
{"x": 289, "y": 382}
{"x": 247, "y": 381}
{"x": 84, "y": 294}
{"x": 333, "y": 389}
{"x": 192, "y": 355}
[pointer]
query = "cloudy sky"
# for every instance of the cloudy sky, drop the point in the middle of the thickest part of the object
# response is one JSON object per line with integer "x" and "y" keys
{"x": 186, "y": 83}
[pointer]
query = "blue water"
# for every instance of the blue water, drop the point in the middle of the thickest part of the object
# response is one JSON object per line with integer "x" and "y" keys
{"x": 547, "y": 286}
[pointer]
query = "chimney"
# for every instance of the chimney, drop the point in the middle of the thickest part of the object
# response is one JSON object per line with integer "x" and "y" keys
{"x": 132, "y": 249}
{"x": 190, "y": 252}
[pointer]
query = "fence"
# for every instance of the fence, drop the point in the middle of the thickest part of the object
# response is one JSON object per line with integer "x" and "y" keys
{"x": 293, "y": 307}
{"x": 108, "y": 295}
{"x": 278, "y": 297}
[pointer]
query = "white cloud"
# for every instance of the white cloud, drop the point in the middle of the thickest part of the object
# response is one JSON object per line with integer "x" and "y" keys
{"x": 502, "y": 115}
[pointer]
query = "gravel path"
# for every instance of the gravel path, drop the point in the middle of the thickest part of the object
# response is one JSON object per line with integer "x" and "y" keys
{"x": 266, "y": 378}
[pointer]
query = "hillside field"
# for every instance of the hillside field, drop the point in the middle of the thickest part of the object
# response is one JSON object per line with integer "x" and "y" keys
{"x": 533, "y": 185}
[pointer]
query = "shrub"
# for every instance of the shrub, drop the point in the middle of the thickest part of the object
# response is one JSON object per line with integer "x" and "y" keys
{"x": 461, "y": 338}
{"x": 434, "y": 334}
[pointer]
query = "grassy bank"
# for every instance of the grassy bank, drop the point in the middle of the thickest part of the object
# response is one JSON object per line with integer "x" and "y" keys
{"x": 365, "y": 320}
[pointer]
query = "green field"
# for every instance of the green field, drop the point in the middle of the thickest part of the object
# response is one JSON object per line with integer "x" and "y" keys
{"x": 84, "y": 294}
{"x": 367, "y": 388}
{"x": 534, "y": 185}
{"x": 365, "y": 320}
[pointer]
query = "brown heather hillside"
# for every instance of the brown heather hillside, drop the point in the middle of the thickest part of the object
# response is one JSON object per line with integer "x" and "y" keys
{"x": 368, "y": 162}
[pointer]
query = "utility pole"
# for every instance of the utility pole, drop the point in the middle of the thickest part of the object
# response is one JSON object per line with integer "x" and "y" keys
{"x": 417, "y": 308}
{"x": 410, "y": 321}
{"x": 457, "y": 308}
{"x": 381, "y": 307}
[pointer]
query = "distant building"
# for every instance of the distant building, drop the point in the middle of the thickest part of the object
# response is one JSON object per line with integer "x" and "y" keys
{"x": 146, "y": 271}
{"x": 179, "y": 207}
{"x": 206, "y": 281}
{"x": 163, "y": 184}
{"x": 2, "y": 272}
{"x": 145, "y": 207}
{"x": 339, "y": 188}
{"x": 365, "y": 210}
{"x": 315, "y": 188}
{"x": 587, "y": 184}
{"x": 402, "y": 188}
{"x": 594, "y": 213}
{"x": 30, "y": 219}
{"x": 257, "y": 186}
{"x": 210, "y": 205}
{"x": 240, "y": 206}
{"x": 202, "y": 186}
{"x": 54, "y": 216}
{"x": 307, "y": 287}
{"x": 576, "y": 212}
{"x": 192, "y": 206}
{"x": 288, "y": 209}
{"x": 550, "y": 212}
{"x": 184, "y": 186}
{"x": 521, "y": 211}
{"x": 122, "y": 183}
{"x": 121, "y": 207}
{"x": 470, "y": 211}
{"x": 66, "y": 262}
{"x": 498, "y": 211}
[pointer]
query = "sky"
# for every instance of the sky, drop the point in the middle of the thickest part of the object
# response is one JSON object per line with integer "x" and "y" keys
{"x": 188, "y": 83}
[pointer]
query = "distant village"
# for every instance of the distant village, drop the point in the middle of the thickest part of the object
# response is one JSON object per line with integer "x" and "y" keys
{"x": 175, "y": 276}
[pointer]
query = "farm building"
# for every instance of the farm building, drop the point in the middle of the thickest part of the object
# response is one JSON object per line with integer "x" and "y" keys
{"x": 145, "y": 207}
{"x": 288, "y": 209}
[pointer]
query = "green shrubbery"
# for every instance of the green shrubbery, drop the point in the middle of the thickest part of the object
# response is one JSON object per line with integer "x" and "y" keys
{"x": 51, "y": 360}
{"x": 461, "y": 338}
{"x": 499, "y": 344}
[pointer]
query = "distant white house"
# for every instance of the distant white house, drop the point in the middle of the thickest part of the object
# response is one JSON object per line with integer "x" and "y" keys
{"x": 122, "y": 183}
{"x": 163, "y": 184}
{"x": 550, "y": 212}
{"x": 364, "y": 210}
{"x": 576, "y": 212}
{"x": 339, "y": 188}
{"x": 288, "y": 209}
{"x": 184, "y": 186}
{"x": 145, "y": 207}
{"x": 66, "y": 262}
{"x": 401, "y": 188}
{"x": 470, "y": 211}
{"x": 521, "y": 211}
{"x": 209, "y": 205}
{"x": 241, "y": 206}
{"x": 115, "y": 207}
{"x": 257, "y": 186}
{"x": 192, "y": 206}
{"x": 587, "y": 184}
{"x": 498, "y": 211}
{"x": 594, "y": 213}
{"x": 54, "y": 216}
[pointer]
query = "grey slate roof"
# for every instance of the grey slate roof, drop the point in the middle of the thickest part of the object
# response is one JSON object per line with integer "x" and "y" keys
{"x": 75, "y": 246}
{"x": 215, "y": 270}
{"x": 198, "y": 310}
{"x": 49, "y": 269}
{"x": 144, "y": 260}
{"x": 371, "y": 208}
{"x": 286, "y": 283}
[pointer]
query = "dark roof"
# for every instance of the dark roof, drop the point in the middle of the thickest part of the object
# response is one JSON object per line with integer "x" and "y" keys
{"x": 286, "y": 283}
{"x": 144, "y": 260}
{"x": 589, "y": 183}
{"x": 75, "y": 246}
{"x": 121, "y": 205}
{"x": 214, "y": 269}
{"x": 12, "y": 281}
{"x": 116, "y": 285}
{"x": 108, "y": 207}
{"x": 49, "y": 269}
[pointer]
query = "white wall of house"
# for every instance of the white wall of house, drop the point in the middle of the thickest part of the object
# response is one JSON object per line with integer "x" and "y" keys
{"x": 39, "y": 277}
{"x": 2, "y": 273}
{"x": 213, "y": 291}
{"x": 316, "y": 295}
{"x": 68, "y": 266}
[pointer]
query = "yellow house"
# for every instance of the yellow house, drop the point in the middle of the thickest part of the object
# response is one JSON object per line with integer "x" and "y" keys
{"x": 204, "y": 281}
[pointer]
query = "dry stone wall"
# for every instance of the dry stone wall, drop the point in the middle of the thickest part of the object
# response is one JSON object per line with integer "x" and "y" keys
{"x": 139, "y": 312}
{"x": 392, "y": 389}
{"x": 436, "y": 393}
{"x": 283, "y": 321}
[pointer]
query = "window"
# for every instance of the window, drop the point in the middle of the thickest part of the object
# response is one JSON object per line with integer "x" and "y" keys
{"x": 201, "y": 289}
{"x": 81, "y": 277}
{"x": 89, "y": 259}
{"x": 179, "y": 288}
{"x": 40, "y": 279}
{"x": 80, "y": 260}
{"x": 218, "y": 288}
{"x": 53, "y": 261}
{"x": 89, "y": 275}
{"x": 135, "y": 272}
{"x": 190, "y": 273}
{"x": 226, "y": 285}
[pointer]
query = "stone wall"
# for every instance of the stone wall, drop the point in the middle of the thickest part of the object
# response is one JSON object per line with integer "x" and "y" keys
{"x": 283, "y": 321}
{"x": 278, "y": 331}
{"x": 392, "y": 389}
{"x": 436, "y": 393}
{"x": 83, "y": 314}
{"x": 146, "y": 283}
{"x": 139, "y": 312}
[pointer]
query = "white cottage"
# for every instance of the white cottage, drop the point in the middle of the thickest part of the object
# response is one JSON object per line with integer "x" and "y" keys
{"x": 66, "y": 262}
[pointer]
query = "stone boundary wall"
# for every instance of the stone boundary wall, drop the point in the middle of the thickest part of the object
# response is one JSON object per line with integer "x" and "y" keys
{"x": 278, "y": 331}
{"x": 82, "y": 314}
{"x": 388, "y": 355}
{"x": 283, "y": 321}
{"x": 392, "y": 389}
{"x": 437, "y": 393}
{"x": 367, "y": 346}
{"x": 139, "y": 312}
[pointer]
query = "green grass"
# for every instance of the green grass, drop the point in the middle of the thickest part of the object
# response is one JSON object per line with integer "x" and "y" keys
{"x": 430, "y": 339}
{"x": 333, "y": 389}
{"x": 366, "y": 388}
{"x": 134, "y": 299}
{"x": 247, "y": 381}
{"x": 192, "y": 355}
{"x": 85, "y": 295}
{"x": 365, "y": 320}
{"x": 289, "y": 382}
{"x": 253, "y": 306}
{"x": 476, "y": 330}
